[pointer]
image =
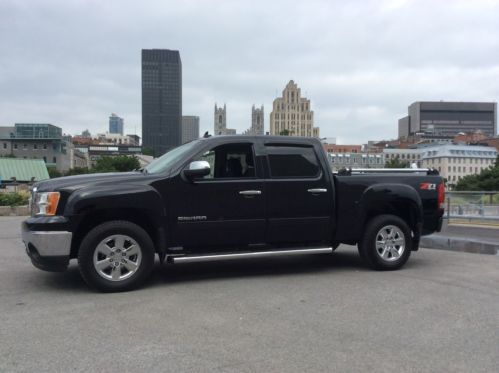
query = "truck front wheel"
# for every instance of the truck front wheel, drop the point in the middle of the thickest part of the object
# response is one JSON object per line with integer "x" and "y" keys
{"x": 387, "y": 243}
{"x": 116, "y": 256}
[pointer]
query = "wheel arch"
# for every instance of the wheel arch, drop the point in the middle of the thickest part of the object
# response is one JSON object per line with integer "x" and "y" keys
{"x": 400, "y": 200}
{"x": 93, "y": 217}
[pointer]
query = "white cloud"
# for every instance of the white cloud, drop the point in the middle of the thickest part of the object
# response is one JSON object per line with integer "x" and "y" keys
{"x": 361, "y": 63}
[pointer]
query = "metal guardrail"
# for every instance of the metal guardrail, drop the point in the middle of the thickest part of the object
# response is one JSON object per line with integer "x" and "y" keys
{"x": 473, "y": 207}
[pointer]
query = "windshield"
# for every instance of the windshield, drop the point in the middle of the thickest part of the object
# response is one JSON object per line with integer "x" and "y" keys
{"x": 164, "y": 162}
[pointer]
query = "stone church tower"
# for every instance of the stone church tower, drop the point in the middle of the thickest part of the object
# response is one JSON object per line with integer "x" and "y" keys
{"x": 220, "y": 120}
{"x": 257, "y": 122}
{"x": 220, "y": 127}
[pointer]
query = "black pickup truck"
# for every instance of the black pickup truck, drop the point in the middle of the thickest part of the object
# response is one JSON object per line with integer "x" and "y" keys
{"x": 223, "y": 198}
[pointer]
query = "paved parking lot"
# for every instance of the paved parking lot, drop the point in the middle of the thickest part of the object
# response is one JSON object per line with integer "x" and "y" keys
{"x": 310, "y": 313}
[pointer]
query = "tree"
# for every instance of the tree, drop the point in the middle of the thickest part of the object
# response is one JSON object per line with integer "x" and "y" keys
{"x": 77, "y": 171}
{"x": 487, "y": 180}
{"x": 121, "y": 163}
{"x": 148, "y": 151}
{"x": 396, "y": 163}
{"x": 285, "y": 132}
{"x": 53, "y": 172}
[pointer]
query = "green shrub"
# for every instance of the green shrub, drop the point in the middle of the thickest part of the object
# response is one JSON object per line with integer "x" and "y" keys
{"x": 121, "y": 163}
{"x": 14, "y": 199}
{"x": 488, "y": 180}
{"x": 53, "y": 172}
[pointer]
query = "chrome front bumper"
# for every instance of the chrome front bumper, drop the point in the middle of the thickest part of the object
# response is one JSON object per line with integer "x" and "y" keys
{"x": 47, "y": 243}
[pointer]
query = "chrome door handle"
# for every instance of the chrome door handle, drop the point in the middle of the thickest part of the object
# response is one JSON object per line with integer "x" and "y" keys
{"x": 317, "y": 190}
{"x": 250, "y": 192}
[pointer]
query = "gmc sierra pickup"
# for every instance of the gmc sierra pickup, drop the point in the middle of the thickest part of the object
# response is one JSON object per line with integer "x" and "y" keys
{"x": 228, "y": 197}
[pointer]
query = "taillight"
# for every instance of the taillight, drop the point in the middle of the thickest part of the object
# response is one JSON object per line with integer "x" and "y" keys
{"x": 441, "y": 195}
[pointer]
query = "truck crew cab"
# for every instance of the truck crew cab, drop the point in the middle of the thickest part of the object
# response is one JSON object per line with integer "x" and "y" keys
{"x": 228, "y": 197}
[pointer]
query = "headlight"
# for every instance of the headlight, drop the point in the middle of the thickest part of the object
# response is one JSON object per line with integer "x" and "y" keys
{"x": 45, "y": 203}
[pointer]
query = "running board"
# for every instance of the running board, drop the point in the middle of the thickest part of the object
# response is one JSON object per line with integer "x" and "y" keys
{"x": 255, "y": 254}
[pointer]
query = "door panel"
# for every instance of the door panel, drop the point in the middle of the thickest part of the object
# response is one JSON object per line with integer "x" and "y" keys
{"x": 221, "y": 215}
{"x": 225, "y": 209}
{"x": 299, "y": 197}
{"x": 297, "y": 215}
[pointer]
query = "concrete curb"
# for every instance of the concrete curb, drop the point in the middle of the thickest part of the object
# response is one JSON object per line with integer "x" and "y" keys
{"x": 450, "y": 243}
{"x": 14, "y": 210}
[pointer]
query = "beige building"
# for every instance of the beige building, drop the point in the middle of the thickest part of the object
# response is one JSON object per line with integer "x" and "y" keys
{"x": 410, "y": 156}
{"x": 291, "y": 114}
{"x": 190, "y": 128}
{"x": 456, "y": 161}
{"x": 117, "y": 139}
{"x": 77, "y": 159}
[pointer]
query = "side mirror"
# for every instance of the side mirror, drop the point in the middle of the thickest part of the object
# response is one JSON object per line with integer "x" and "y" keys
{"x": 197, "y": 169}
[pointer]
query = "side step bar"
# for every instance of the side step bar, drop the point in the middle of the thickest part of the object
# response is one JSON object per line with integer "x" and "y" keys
{"x": 254, "y": 254}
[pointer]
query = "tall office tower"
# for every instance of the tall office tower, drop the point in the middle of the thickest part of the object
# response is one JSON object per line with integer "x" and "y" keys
{"x": 220, "y": 122}
{"x": 257, "y": 122}
{"x": 116, "y": 124}
{"x": 190, "y": 128}
{"x": 291, "y": 114}
{"x": 161, "y": 100}
{"x": 449, "y": 118}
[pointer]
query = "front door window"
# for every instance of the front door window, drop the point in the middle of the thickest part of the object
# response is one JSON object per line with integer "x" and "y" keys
{"x": 230, "y": 161}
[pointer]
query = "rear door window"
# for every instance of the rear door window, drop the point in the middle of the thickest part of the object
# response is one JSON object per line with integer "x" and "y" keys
{"x": 292, "y": 161}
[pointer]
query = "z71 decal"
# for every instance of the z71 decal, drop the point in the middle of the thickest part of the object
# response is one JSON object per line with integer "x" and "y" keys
{"x": 427, "y": 186}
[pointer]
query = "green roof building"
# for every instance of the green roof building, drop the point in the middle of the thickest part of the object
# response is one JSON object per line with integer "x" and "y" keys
{"x": 36, "y": 141}
{"x": 24, "y": 170}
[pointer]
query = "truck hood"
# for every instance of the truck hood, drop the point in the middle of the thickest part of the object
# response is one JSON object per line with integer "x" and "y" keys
{"x": 72, "y": 183}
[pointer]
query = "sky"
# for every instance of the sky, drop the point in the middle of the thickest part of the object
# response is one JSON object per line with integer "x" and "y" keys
{"x": 361, "y": 63}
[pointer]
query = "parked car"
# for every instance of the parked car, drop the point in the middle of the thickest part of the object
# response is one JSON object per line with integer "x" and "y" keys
{"x": 223, "y": 198}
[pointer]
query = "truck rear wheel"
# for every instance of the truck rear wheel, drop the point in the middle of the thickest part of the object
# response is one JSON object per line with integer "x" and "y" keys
{"x": 116, "y": 256}
{"x": 387, "y": 243}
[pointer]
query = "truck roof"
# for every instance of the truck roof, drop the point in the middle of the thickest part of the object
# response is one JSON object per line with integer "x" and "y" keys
{"x": 266, "y": 138}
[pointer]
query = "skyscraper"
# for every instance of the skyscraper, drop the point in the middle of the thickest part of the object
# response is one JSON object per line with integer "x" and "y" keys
{"x": 190, "y": 128}
{"x": 116, "y": 124}
{"x": 449, "y": 118}
{"x": 161, "y": 100}
{"x": 291, "y": 114}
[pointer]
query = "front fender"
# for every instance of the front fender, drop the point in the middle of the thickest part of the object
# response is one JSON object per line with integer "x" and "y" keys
{"x": 142, "y": 197}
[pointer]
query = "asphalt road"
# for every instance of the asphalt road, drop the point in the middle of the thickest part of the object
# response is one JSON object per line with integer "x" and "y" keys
{"x": 300, "y": 314}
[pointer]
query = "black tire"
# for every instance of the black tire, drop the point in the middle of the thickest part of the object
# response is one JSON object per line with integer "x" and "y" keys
{"x": 133, "y": 236}
{"x": 379, "y": 257}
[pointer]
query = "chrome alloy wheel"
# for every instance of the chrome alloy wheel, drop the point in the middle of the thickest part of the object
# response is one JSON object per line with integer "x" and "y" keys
{"x": 390, "y": 243}
{"x": 117, "y": 257}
